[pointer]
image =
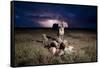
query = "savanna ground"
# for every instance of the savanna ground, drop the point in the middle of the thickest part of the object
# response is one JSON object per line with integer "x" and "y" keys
{"x": 30, "y": 51}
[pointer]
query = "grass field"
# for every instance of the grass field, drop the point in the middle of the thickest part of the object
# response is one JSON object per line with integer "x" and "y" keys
{"x": 30, "y": 51}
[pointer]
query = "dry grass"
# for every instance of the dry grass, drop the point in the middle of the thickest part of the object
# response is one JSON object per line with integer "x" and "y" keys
{"x": 30, "y": 52}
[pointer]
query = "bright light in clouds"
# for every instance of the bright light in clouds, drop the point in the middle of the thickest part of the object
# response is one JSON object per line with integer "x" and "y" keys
{"x": 50, "y": 22}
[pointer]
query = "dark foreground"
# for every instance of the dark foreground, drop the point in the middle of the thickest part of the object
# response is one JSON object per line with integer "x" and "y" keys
{"x": 30, "y": 51}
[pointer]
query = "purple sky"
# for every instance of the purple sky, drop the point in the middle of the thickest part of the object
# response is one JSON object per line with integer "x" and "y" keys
{"x": 37, "y": 15}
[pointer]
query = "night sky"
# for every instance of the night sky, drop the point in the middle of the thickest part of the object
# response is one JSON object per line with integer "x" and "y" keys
{"x": 42, "y": 15}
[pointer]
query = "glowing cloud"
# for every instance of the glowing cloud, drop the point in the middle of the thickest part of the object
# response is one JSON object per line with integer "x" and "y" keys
{"x": 50, "y": 22}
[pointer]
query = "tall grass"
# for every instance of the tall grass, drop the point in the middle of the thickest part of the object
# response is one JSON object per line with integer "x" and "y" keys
{"x": 30, "y": 52}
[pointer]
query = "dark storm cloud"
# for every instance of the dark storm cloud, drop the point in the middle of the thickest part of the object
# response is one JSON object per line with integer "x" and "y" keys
{"x": 28, "y": 14}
